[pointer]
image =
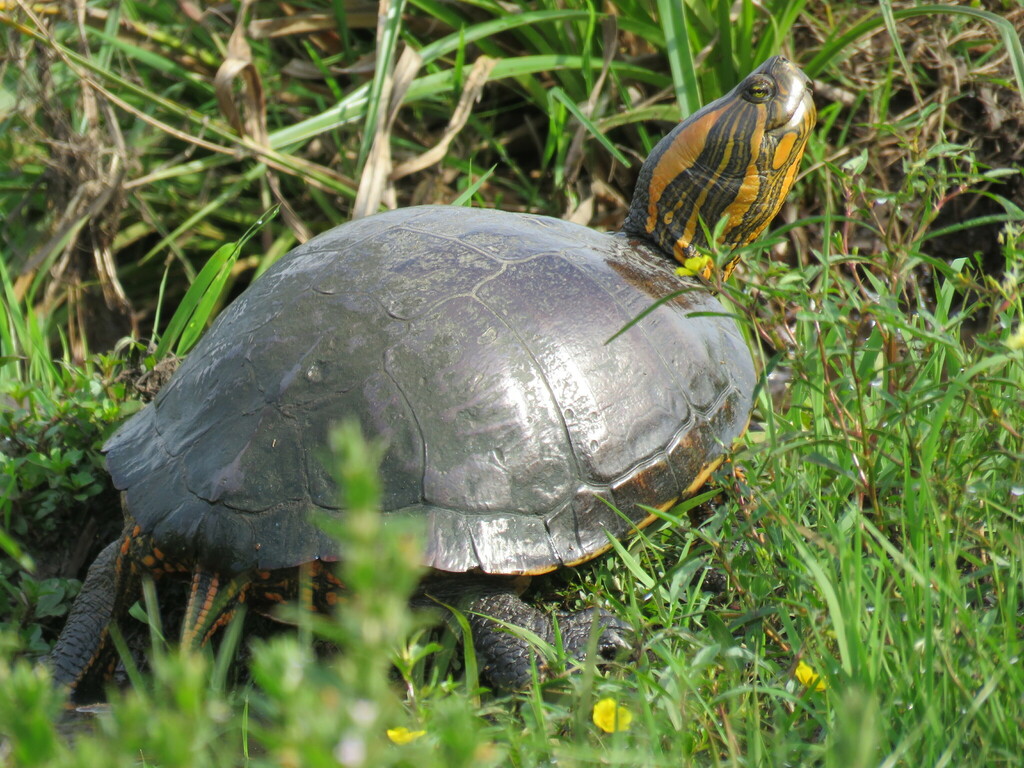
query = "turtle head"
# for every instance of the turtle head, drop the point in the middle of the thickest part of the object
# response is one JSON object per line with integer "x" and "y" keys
{"x": 736, "y": 158}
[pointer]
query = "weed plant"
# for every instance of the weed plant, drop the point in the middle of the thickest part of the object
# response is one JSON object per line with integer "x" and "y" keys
{"x": 849, "y": 591}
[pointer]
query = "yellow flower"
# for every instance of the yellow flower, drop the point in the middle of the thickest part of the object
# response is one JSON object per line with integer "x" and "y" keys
{"x": 808, "y": 677}
{"x": 1016, "y": 341}
{"x": 696, "y": 265}
{"x": 403, "y": 735}
{"x": 610, "y": 717}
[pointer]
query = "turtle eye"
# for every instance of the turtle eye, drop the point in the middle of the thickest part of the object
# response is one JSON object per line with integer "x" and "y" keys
{"x": 759, "y": 89}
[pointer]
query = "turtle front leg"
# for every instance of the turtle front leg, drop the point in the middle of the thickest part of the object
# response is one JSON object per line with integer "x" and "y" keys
{"x": 505, "y": 657}
{"x": 83, "y": 656}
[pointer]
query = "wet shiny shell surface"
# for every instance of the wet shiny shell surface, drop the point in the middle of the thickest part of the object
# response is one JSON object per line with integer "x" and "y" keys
{"x": 476, "y": 343}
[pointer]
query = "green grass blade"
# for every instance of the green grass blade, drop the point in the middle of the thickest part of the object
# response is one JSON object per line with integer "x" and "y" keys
{"x": 467, "y": 195}
{"x": 196, "y": 308}
{"x": 680, "y": 58}
{"x": 560, "y": 96}
{"x": 387, "y": 43}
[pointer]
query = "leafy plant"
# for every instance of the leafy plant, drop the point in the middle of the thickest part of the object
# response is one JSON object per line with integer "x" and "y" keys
{"x": 51, "y": 473}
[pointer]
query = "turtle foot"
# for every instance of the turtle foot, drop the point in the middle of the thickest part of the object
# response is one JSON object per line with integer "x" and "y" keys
{"x": 507, "y": 656}
{"x": 615, "y": 638}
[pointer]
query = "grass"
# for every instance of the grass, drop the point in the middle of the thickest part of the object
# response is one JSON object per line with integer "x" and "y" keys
{"x": 873, "y": 533}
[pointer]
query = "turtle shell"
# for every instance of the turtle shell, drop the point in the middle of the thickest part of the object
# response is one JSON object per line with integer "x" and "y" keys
{"x": 482, "y": 347}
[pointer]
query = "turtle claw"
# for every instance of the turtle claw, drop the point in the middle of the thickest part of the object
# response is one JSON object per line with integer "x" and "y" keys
{"x": 615, "y": 640}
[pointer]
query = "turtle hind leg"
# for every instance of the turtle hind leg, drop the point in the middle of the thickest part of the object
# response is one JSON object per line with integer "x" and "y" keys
{"x": 506, "y": 658}
{"x": 213, "y": 601}
{"x": 83, "y": 657}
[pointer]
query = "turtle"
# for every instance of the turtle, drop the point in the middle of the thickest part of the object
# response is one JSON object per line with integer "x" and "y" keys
{"x": 540, "y": 387}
